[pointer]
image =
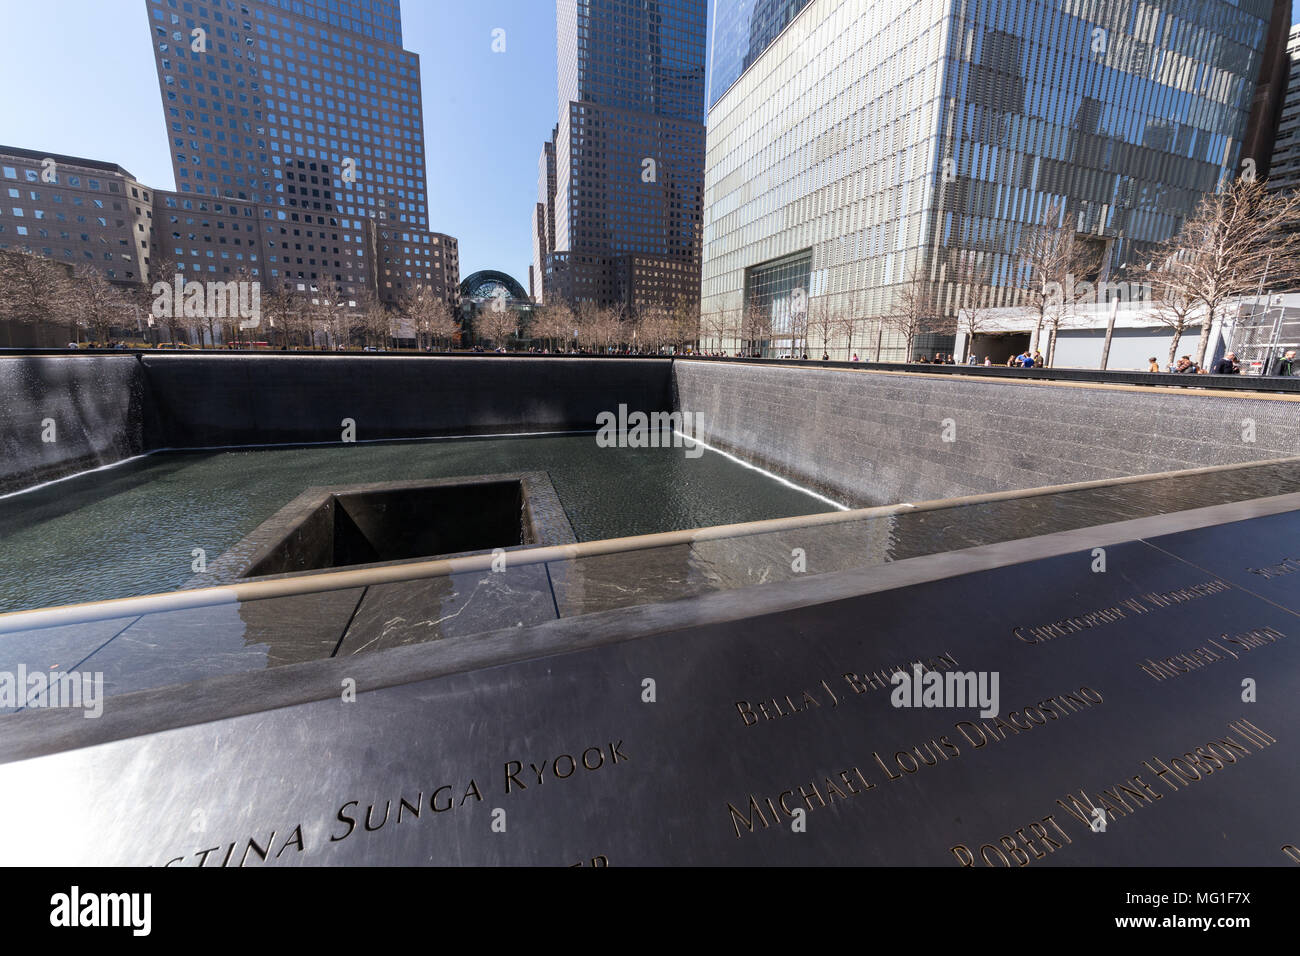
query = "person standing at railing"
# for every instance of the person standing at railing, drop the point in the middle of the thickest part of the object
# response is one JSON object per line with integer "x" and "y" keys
{"x": 1287, "y": 364}
{"x": 1227, "y": 365}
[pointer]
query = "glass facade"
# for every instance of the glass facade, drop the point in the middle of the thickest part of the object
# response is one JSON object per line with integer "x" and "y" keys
{"x": 742, "y": 30}
{"x": 776, "y": 298}
{"x": 628, "y": 152}
{"x": 928, "y": 137}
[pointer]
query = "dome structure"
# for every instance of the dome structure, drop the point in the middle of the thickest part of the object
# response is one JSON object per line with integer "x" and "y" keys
{"x": 489, "y": 284}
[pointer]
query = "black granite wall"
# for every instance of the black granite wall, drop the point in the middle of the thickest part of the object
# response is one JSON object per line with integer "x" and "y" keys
{"x": 868, "y": 438}
{"x": 95, "y": 404}
{"x": 110, "y": 407}
{"x": 860, "y": 437}
{"x": 202, "y": 401}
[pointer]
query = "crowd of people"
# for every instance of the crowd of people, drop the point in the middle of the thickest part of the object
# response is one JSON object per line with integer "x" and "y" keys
{"x": 1286, "y": 365}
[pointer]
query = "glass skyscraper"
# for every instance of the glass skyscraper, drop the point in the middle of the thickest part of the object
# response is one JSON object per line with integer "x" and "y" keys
{"x": 876, "y": 140}
{"x": 311, "y": 111}
{"x": 628, "y": 154}
{"x": 742, "y": 30}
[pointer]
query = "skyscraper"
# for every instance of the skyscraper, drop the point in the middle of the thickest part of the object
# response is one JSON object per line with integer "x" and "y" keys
{"x": 628, "y": 154}
{"x": 1285, "y": 173}
{"x": 311, "y": 111}
{"x": 855, "y": 145}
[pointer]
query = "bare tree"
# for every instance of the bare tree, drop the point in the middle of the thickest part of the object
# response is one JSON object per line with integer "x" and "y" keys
{"x": 374, "y": 319}
{"x": 100, "y": 304}
{"x": 429, "y": 314}
{"x": 278, "y": 310}
{"x": 608, "y": 328}
{"x": 498, "y": 324}
{"x": 685, "y": 323}
{"x": 298, "y": 316}
{"x": 1228, "y": 243}
{"x": 848, "y": 320}
{"x": 549, "y": 326}
{"x": 823, "y": 320}
{"x": 33, "y": 289}
{"x": 163, "y": 268}
{"x": 331, "y": 312}
{"x": 1051, "y": 257}
{"x": 755, "y": 325}
{"x": 973, "y": 298}
{"x": 799, "y": 321}
{"x": 711, "y": 329}
{"x": 1175, "y": 304}
{"x": 913, "y": 312}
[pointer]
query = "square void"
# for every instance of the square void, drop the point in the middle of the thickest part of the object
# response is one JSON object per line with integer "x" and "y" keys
{"x": 393, "y": 522}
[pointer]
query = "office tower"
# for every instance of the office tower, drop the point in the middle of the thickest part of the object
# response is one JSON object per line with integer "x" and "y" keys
{"x": 311, "y": 111}
{"x": 543, "y": 217}
{"x": 1285, "y": 172}
{"x": 628, "y": 155}
{"x": 80, "y": 212}
{"x": 870, "y": 143}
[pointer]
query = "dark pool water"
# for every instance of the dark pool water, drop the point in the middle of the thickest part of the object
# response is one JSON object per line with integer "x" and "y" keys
{"x": 132, "y": 529}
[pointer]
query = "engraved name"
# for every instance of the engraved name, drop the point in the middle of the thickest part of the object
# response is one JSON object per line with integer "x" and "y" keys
{"x": 1142, "y": 604}
{"x": 1166, "y": 667}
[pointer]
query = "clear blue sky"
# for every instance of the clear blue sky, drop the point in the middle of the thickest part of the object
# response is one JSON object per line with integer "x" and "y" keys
{"x": 485, "y": 114}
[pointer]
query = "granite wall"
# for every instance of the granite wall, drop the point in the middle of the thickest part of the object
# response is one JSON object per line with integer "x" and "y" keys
{"x": 203, "y": 401}
{"x": 110, "y": 407}
{"x": 859, "y": 437}
{"x": 64, "y": 414}
{"x": 868, "y": 438}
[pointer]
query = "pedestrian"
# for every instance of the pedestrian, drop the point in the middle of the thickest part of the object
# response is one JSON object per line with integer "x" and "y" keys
{"x": 1288, "y": 364}
{"x": 1185, "y": 366}
{"x": 825, "y": 357}
{"x": 1153, "y": 365}
{"x": 1038, "y": 358}
{"x": 855, "y": 356}
{"x": 1227, "y": 365}
{"x": 988, "y": 361}
{"x": 1013, "y": 361}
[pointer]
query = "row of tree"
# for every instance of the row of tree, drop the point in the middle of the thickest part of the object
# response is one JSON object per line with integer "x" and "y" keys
{"x": 650, "y": 329}
{"x": 34, "y": 289}
{"x": 1235, "y": 241}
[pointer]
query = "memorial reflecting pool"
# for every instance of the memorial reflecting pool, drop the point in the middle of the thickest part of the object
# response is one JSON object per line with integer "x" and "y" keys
{"x": 132, "y": 529}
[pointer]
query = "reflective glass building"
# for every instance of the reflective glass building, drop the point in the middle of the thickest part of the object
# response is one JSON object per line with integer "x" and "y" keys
{"x": 741, "y": 31}
{"x": 879, "y": 139}
{"x": 311, "y": 111}
{"x": 625, "y": 199}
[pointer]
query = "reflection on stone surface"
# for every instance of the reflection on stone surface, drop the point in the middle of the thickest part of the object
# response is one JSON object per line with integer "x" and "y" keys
{"x": 55, "y": 648}
{"x": 410, "y": 612}
{"x": 625, "y": 579}
{"x": 176, "y": 647}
